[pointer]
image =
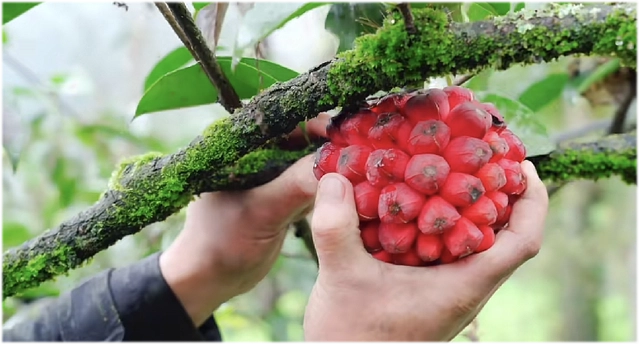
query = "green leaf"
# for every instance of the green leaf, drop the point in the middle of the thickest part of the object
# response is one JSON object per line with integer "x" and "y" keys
{"x": 519, "y": 6}
{"x": 266, "y": 17}
{"x": 200, "y": 5}
{"x": 47, "y": 289}
{"x": 521, "y": 120}
{"x": 12, "y": 10}
{"x": 89, "y": 134}
{"x": 14, "y": 234}
{"x": 545, "y": 91}
{"x": 583, "y": 83}
{"x": 171, "y": 62}
{"x": 189, "y": 87}
{"x": 5, "y": 37}
{"x": 483, "y": 9}
{"x": 350, "y": 20}
{"x": 65, "y": 179}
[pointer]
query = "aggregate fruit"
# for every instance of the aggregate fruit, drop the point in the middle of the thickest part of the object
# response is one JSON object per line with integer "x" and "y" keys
{"x": 435, "y": 173}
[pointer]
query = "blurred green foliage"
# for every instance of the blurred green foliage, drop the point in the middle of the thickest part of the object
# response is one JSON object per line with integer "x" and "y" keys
{"x": 65, "y": 162}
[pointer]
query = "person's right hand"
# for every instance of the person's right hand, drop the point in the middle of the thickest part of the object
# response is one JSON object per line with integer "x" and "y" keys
{"x": 358, "y": 298}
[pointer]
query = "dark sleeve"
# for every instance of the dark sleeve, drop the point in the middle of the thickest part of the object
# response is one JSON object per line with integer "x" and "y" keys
{"x": 133, "y": 303}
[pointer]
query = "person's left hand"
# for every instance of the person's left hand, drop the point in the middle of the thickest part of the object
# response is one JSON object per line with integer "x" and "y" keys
{"x": 230, "y": 240}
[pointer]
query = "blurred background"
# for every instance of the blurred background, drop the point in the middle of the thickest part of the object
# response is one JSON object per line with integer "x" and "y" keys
{"x": 73, "y": 74}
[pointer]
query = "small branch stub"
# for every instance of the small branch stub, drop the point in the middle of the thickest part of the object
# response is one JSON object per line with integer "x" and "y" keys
{"x": 405, "y": 10}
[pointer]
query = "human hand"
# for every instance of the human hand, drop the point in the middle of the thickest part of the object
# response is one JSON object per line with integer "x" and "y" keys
{"x": 230, "y": 240}
{"x": 358, "y": 298}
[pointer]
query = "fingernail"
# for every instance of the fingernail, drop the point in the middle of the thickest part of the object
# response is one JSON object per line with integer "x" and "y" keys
{"x": 331, "y": 189}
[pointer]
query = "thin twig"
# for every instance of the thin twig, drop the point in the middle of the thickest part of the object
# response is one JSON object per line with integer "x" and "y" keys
{"x": 121, "y": 4}
{"x": 207, "y": 60}
{"x": 463, "y": 79}
{"x": 166, "y": 13}
{"x": 617, "y": 125}
{"x": 408, "y": 18}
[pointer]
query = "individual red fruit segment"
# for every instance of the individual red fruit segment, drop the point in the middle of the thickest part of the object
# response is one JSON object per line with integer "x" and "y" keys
{"x": 399, "y": 203}
{"x": 383, "y": 256}
{"x": 429, "y": 247}
{"x": 462, "y": 190}
{"x": 334, "y": 134}
{"x": 502, "y": 221}
{"x": 517, "y": 151}
{"x": 397, "y": 238}
{"x": 426, "y": 173}
{"x": 366, "y": 197}
{"x": 369, "y": 235}
{"x": 466, "y": 154}
{"x": 386, "y": 104}
{"x": 463, "y": 239}
{"x": 497, "y": 120}
{"x": 386, "y": 166}
{"x": 516, "y": 182}
{"x": 483, "y": 212}
{"x": 457, "y": 95}
{"x": 326, "y": 159}
{"x": 430, "y": 136}
{"x": 498, "y": 145}
{"x": 488, "y": 239}
{"x": 409, "y": 258}
{"x": 468, "y": 119}
{"x": 352, "y": 161}
{"x": 446, "y": 257}
{"x": 391, "y": 130}
{"x": 401, "y": 100}
{"x": 492, "y": 176}
{"x": 437, "y": 216}
{"x": 355, "y": 129}
{"x": 500, "y": 200}
{"x": 431, "y": 105}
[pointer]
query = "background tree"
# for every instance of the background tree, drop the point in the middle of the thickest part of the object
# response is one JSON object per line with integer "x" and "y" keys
{"x": 554, "y": 99}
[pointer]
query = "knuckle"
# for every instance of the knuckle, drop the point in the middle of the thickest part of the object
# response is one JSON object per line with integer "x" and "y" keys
{"x": 529, "y": 248}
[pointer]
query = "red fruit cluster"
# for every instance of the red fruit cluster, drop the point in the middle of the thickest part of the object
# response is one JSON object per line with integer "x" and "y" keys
{"x": 435, "y": 173}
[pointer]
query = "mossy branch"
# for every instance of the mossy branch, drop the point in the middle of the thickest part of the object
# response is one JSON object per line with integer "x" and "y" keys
{"x": 612, "y": 155}
{"x": 150, "y": 189}
{"x": 145, "y": 189}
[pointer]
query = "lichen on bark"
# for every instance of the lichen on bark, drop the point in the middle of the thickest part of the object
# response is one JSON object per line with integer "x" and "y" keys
{"x": 391, "y": 57}
{"x": 613, "y": 155}
{"x": 144, "y": 189}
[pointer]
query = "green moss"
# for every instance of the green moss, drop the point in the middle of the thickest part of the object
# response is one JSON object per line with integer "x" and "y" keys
{"x": 391, "y": 57}
{"x": 256, "y": 161}
{"x": 29, "y": 272}
{"x": 584, "y": 163}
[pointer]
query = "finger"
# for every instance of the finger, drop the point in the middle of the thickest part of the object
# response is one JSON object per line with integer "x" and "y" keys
{"x": 314, "y": 128}
{"x": 287, "y": 195}
{"x": 522, "y": 239}
{"x": 334, "y": 224}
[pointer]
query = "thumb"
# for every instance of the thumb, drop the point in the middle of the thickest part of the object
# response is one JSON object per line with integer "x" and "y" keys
{"x": 334, "y": 224}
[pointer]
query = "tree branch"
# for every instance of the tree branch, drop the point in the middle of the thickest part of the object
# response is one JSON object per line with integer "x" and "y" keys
{"x": 617, "y": 124}
{"x": 408, "y": 18}
{"x": 602, "y": 158}
{"x": 149, "y": 189}
{"x": 181, "y": 18}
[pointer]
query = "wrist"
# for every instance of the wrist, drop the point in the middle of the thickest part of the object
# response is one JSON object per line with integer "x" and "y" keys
{"x": 196, "y": 289}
